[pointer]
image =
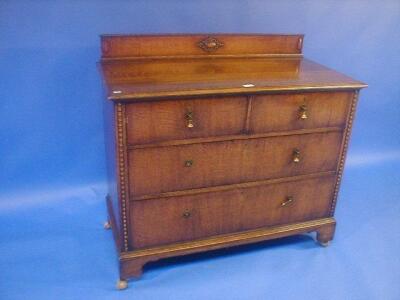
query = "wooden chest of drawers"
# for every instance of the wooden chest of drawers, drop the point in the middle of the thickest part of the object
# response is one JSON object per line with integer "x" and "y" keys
{"x": 219, "y": 140}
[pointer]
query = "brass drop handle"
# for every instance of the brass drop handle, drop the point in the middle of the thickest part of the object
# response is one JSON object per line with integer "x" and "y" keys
{"x": 288, "y": 200}
{"x": 187, "y": 214}
{"x": 189, "y": 163}
{"x": 189, "y": 119}
{"x": 296, "y": 156}
{"x": 303, "y": 112}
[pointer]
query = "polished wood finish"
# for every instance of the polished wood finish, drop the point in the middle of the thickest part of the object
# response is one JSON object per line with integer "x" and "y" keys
{"x": 219, "y": 140}
{"x": 176, "y": 219}
{"x": 122, "y": 46}
{"x": 110, "y": 138}
{"x": 228, "y": 162}
{"x": 243, "y": 136}
{"x": 139, "y": 80}
{"x": 131, "y": 263}
{"x": 167, "y": 120}
{"x": 230, "y": 186}
{"x": 299, "y": 111}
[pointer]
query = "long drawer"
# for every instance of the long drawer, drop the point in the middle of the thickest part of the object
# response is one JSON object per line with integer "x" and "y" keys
{"x": 171, "y": 168}
{"x": 176, "y": 219}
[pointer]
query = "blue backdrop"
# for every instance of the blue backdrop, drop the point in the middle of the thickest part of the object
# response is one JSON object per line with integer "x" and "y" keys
{"x": 52, "y": 169}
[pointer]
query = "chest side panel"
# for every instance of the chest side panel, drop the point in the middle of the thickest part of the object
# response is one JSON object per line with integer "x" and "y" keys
{"x": 113, "y": 199}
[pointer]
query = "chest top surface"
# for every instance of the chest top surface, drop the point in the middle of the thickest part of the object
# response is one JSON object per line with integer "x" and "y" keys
{"x": 137, "y": 67}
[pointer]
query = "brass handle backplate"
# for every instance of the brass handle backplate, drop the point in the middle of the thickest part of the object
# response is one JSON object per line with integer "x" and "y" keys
{"x": 303, "y": 112}
{"x": 188, "y": 163}
{"x": 187, "y": 214}
{"x": 296, "y": 156}
{"x": 288, "y": 200}
{"x": 189, "y": 119}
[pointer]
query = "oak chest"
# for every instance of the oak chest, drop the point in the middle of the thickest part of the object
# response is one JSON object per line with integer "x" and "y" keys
{"x": 219, "y": 140}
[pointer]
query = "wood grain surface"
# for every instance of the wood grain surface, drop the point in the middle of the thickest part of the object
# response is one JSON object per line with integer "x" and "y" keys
{"x": 177, "y": 219}
{"x": 158, "y": 170}
{"x": 217, "y": 140}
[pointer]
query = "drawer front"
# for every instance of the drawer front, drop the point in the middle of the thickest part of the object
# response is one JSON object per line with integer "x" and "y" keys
{"x": 168, "y": 120}
{"x": 299, "y": 111}
{"x": 168, "y": 220}
{"x": 164, "y": 169}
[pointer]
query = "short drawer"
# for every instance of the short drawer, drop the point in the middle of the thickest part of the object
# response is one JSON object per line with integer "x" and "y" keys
{"x": 155, "y": 170}
{"x": 283, "y": 112}
{"x": 176, "y": 219}
{"x": 159, "y": 121}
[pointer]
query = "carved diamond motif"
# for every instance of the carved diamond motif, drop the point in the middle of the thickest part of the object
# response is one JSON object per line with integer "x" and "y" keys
{"x": 210, "y": 44}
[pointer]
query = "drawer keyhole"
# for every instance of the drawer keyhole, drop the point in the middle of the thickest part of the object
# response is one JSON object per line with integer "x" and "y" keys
{"x": 288, "y": 201}
{"x": 189, "y": 163}
{"x": 187, "y": 214}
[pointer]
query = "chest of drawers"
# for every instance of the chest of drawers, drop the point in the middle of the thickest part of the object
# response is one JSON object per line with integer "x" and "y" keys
{"x": 219, "y": 140}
